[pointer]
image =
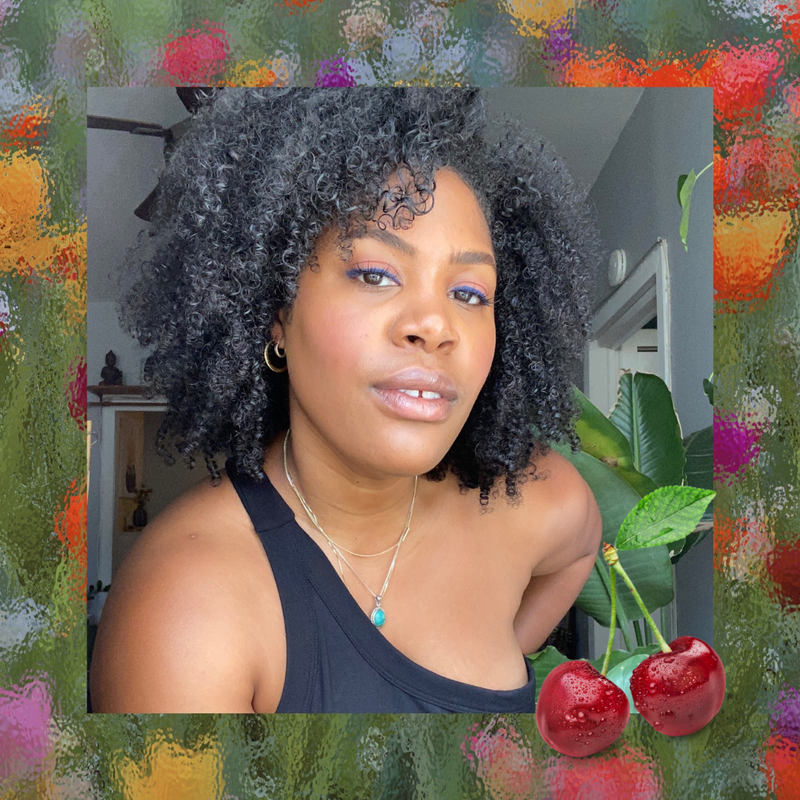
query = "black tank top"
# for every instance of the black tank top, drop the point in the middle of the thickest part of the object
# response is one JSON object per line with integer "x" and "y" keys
{"x": 337, "y": 661}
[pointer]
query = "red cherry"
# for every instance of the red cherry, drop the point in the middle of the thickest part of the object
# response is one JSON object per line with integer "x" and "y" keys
{"x": 580, "y": 712}
{"x": 679, "y": 692}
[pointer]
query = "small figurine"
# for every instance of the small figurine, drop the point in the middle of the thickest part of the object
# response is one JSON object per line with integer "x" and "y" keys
{"x": 140, "y": 512}
{"x": 110, "y": 375}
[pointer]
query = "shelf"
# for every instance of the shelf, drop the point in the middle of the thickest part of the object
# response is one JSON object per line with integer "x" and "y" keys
{"x": 123, "y": 394}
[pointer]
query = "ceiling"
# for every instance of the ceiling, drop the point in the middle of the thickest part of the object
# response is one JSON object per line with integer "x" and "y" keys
{"x": 582, "y": 124}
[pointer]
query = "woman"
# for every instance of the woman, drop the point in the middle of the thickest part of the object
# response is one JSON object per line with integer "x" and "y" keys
{"x": 372, "y": 311}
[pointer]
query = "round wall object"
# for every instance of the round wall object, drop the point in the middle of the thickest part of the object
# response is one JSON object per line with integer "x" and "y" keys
{"x": 616, "y": 268}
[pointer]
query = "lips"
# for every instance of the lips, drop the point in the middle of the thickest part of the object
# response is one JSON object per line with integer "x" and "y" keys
{"x": 417, "y": 394}
{"x": 420, "y": 380}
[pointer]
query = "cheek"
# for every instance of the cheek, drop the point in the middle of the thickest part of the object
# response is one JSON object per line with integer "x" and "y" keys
{"x": 335, "y": 341}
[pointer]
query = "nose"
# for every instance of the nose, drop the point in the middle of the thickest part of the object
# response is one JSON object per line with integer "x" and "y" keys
{"x": 428, "y": 323}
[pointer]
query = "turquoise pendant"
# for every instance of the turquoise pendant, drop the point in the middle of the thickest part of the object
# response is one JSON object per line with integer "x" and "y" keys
{"x": 378, "y": 616}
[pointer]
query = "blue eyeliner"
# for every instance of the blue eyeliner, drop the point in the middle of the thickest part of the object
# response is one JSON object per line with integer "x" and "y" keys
{"x": 484, "y": 300}
{"x": 352, "y": 273}
{"x": 356, "y": 271}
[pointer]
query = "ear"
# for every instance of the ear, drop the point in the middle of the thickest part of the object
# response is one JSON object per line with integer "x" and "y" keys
{"x": 277, "y": 330}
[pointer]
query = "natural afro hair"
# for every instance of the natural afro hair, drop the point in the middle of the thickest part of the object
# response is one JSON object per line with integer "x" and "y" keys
{"x": 262, "y": 173}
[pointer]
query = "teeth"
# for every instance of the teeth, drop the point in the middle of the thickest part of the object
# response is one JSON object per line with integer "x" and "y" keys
{"x": 418, "y": 393}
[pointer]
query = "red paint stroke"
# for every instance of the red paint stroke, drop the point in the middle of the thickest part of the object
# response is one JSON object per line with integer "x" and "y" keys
{"x": 501, "y": 759}
{"x": 197, "y": 56}
{"x": 626, "y": 772}
{"x": 70, "y": 527}
{"x": 26, "y": 129}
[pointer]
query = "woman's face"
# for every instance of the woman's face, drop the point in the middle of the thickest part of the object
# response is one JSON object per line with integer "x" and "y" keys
{"x": 406, "y": 310}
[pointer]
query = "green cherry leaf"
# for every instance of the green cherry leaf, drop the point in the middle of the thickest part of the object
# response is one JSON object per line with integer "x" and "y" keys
{"x": 663, "y": 516}
{"x": 620, "y": 675}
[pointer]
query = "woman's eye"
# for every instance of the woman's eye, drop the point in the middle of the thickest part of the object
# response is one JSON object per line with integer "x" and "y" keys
{"x": 372, "y": 276}
{"x": 471, "y": 297}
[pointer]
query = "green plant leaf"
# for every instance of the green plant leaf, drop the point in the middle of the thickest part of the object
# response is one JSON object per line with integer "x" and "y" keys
{"x": 641, "y": 484}
{"x": 666, "y": 515}
{"x": 650, "y": 570}
{"x": 599, "y": 436}
{"x": 699, "y": 449}
{"x": 708, "y": 388}
{"x": 645, "y": 414}
{"x": 602, "y": 439}
{"x": 620, "y": 674}
{"x": 699, "y": 454}
{"x": 681, "y": 181}
{"x": 685, "y": 189}
{"x": 680, "y": 548}
{"x": 615, "y": 496}
{"x": 544, "y": 662}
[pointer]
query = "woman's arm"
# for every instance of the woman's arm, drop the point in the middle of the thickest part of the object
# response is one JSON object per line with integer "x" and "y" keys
{"x": 568, "y": 520}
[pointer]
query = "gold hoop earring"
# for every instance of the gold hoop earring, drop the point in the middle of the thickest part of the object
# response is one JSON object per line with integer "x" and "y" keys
{"x": 278, "y": 352}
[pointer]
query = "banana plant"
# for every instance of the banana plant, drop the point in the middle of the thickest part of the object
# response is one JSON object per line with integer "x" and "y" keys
{"x": 635, "y": 453}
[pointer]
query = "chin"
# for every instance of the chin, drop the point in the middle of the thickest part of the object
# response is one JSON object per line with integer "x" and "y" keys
{"x": 413, "y": 454}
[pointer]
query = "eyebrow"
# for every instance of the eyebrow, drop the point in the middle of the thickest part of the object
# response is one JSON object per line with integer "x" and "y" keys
{"x": 397, "y": 243}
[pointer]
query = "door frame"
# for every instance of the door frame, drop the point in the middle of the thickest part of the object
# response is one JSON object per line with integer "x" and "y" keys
{"x": 109, "y": 409}
{"x": 645, "y": 293}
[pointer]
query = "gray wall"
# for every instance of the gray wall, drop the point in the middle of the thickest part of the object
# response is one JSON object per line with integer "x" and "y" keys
{"x": 669, "y": 133}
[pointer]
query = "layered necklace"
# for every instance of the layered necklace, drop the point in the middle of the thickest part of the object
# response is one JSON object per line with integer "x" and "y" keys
{"x": 378, "y": 615}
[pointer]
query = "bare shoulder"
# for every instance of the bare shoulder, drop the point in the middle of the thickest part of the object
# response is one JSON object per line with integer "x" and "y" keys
{"x": 558, "y": 517}
{"x": 175, "y": 634}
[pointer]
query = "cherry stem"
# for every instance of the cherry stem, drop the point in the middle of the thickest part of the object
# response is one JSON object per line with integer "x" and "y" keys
{"x": 612, "y": 629}
{"x": 612, "y": 559}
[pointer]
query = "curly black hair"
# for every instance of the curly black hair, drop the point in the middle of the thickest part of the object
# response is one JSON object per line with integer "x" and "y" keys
{"x": 262, "y": 173}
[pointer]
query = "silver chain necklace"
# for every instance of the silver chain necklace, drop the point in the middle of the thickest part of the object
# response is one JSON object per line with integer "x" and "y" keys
{"x": 378, "y": 615}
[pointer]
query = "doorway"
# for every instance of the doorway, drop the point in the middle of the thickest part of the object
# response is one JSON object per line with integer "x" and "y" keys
{"x": 631, "y": 332}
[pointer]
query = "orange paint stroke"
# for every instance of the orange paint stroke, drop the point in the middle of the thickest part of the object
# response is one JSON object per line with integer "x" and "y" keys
{"x": 749, "y": 254}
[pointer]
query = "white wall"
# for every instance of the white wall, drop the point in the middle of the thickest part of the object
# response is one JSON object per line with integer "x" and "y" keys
{"x": 104, "y": 333}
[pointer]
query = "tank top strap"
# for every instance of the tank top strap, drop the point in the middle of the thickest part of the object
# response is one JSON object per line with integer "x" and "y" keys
{"x": 275, "y": 524}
